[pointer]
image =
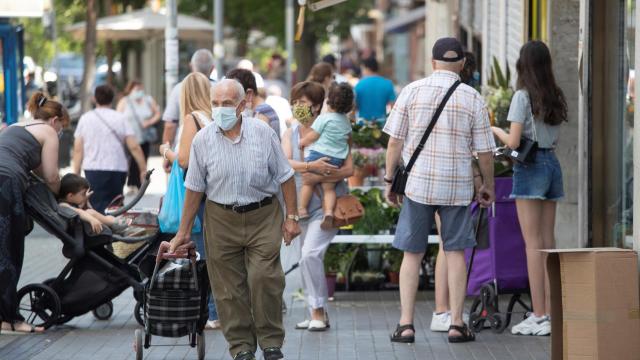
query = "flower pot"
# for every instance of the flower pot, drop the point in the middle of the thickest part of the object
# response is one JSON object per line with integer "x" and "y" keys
{"x": 331, "y": 284}
{"x": 358, "y": 177}
{"x": 394, "y": 277}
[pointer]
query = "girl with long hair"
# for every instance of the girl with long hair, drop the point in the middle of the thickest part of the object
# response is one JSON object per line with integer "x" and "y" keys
{"x": 538, "y": 108}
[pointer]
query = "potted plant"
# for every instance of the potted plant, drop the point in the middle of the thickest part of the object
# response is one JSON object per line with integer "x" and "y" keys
{"x": 394, "y": 258}
{"x": 336, "y": 260}
{"x": 359, "y": 162}
{"x": 498, "y": 94}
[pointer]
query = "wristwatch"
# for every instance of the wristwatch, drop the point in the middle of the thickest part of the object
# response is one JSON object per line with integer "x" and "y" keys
{"x": 295, "y": 218}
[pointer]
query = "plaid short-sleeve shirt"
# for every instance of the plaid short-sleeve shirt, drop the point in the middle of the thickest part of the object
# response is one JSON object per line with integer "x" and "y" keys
{"x": 442, "y": 174}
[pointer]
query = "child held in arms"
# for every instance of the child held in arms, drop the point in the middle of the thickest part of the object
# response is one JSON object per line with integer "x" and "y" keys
{"x": 329, "y": 138}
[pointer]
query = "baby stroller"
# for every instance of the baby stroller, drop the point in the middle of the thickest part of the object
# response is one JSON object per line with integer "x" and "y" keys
{"x": 175, "y": 302}
{"x": 94, "y": 275}
{"x": 498, "y": 264}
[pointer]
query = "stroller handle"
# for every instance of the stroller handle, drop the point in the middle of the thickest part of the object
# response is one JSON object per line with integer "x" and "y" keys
{"x": 136, "y": 199}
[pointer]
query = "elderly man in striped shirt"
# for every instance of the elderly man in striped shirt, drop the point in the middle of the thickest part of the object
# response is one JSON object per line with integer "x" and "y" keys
{"x": 441, "y": 179}
{"x": 239, "y": 164}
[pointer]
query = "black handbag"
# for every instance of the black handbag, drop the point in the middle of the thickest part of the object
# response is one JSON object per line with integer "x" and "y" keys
{"x": 401, "y": 175}
{"x": 526, "y": 152}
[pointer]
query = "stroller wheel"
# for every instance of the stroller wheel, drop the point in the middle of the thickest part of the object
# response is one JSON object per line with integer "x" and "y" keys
{"x": 39, "y": 305}
{"x": 200, "y": 345}
{"x": 138, "y": 344}
{"x": 104, "y": 311}
{"x": 498, "y": 322}
{"x": 138, "y": 313}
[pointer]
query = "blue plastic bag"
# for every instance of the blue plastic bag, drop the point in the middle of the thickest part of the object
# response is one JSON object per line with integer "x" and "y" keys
{"x": 171, "y": 212}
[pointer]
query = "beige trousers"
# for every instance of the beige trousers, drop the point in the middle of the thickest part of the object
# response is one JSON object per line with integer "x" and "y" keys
{"x": 246, "y": 275}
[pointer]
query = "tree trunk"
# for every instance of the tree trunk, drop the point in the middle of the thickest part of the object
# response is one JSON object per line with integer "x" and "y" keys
{"x": 89, "y": 56}
{"x": 108, "y": 10}
{"x": 305, "y": 55}
{"x": 243, "y": 38}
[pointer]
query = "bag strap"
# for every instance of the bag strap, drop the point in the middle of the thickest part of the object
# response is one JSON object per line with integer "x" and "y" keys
{"x": 113, "y": 132}
{"x": 195, "y": 120}
{"x": 432, "y": 124}
{"x": 533, "y": 119}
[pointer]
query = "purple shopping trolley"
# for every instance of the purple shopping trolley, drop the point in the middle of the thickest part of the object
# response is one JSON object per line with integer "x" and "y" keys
{"x": 498, "y": 264}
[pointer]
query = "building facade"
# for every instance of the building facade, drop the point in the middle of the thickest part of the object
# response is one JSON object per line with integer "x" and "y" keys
{"x": 593, "y": 45}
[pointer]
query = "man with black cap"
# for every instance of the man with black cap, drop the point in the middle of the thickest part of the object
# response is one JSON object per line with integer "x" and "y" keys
{"x": 440, "y": 177}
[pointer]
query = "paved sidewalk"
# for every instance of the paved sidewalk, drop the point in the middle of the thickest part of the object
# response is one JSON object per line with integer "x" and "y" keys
{"x": 360, "y": 327}
{"x": 360, "y": 324}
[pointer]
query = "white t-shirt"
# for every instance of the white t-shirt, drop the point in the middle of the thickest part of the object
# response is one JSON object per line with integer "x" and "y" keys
{"x": 103, "y": 132}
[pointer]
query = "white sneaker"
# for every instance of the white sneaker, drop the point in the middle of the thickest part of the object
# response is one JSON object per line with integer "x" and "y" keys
{"x": 303, "y": 325}
{"x": 533, "y": 325}
{"x": 317, "y": 325}
{"x": 441, "y": 322}
{"x": 213, "y": 324}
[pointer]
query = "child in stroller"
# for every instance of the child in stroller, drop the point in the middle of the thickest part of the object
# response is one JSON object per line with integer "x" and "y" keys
{"x": 75, "y": 193}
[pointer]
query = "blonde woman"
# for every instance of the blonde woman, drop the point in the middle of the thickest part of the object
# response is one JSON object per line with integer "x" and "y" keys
{"x": 195, "y": 113}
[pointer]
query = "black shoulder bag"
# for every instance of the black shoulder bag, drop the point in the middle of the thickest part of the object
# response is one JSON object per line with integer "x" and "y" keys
{"x": 401, "y": 174}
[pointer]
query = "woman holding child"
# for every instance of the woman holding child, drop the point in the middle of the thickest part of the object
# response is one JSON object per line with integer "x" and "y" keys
{"x": 307, "y": 99}
{"x": 24, "y": 147}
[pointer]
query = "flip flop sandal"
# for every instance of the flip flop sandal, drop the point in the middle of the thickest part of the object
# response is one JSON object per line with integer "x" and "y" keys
{"x": 13, "y": 330}
{"x": 120, "y": 225}
{"x": 466, "y": 334}
{"x": 327, "y": 222}
{"x": 397, "y": 335}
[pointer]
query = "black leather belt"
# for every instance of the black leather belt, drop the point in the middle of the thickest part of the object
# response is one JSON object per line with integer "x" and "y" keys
{"x": 246, "y": 208}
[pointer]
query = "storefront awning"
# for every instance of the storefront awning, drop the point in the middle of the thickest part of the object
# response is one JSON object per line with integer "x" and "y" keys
{"x": 143, "y": 24}
{"x": 399, "y": 22}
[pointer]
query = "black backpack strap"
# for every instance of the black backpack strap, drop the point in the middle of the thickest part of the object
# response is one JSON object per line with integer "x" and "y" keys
{"x": 432, "y": 124}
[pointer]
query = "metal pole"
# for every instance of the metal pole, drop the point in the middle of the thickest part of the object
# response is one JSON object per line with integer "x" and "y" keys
{"x": 218, "y": 47}
{"x": 289, "y": 38}
{"x": 171, "y": 47}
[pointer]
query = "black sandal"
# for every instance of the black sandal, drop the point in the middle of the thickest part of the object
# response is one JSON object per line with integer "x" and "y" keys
{"x": 466, "y": 334}
{"x": 397, "y": 335}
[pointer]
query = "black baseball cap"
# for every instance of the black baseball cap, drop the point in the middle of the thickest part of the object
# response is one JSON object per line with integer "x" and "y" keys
{"x": 446, "y": 45}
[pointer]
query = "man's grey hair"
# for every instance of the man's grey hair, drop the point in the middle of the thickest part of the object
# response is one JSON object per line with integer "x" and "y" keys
{"x": 202, "y": 61}
{"x": 234, "y": 84}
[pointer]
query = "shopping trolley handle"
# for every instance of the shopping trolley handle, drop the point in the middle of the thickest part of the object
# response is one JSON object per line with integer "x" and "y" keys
{"x": 186, "y": 251}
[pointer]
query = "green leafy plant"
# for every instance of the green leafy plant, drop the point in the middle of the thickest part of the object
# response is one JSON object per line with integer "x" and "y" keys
{"x": 378, "y": 215}
{"x": 498, "y": 94}
{"x": 337, "y": 258}
{"x": 394, "y": 258}
{"x": 360, "y": 160}
{"x": 369, "y": 135}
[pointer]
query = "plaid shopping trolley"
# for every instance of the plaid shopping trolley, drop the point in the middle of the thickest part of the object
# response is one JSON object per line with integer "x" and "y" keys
{"x": 175, "y": 302}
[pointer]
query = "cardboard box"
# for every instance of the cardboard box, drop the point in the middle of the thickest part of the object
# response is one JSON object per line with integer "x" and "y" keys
{"x": 594, "y": 304}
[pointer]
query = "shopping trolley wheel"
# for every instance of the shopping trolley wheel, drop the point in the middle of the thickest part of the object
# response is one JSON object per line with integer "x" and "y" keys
{"x": 476, "y": 322}
{"x": 138, "y": 344}
{"x": 200, "y": 345}
{"x": 39, "y": 305}
{"x": 138, "y": 313}
{"x": 498, "y": 322}
{"x": 104, "y": 311}
{"x": 488, "y": 294}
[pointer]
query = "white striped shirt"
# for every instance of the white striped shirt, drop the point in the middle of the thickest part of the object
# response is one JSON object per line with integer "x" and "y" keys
{"x": 241, "y": 171}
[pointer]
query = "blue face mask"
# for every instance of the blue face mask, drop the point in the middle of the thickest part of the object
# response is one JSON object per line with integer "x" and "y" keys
{"x": 224, "y": 117}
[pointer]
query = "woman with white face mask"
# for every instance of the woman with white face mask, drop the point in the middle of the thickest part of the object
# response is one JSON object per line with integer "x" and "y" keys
{"x": 143, "y": 114}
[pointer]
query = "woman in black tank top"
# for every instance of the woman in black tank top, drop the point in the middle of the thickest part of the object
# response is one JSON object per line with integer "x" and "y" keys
{"x": 24, "y": 148}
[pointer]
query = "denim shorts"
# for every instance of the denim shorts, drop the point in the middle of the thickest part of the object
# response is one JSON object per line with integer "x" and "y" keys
{"x": 314, "y": 155}
{"x": 540, "y": 180}
{"x": 416, "y": 221}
